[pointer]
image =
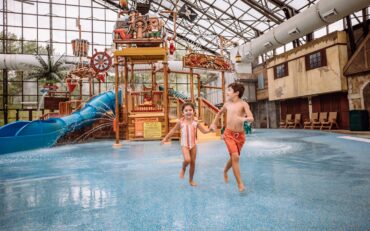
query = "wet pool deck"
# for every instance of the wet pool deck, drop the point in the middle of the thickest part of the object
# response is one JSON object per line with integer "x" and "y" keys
{"x": 296, "y": 180}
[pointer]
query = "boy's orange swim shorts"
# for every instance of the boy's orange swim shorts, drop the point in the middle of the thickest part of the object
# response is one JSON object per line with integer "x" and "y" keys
{"x": 234, "y": 141}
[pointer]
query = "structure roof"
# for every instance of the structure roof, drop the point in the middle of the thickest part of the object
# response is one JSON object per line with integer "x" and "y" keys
{"x": 238, "y": 21}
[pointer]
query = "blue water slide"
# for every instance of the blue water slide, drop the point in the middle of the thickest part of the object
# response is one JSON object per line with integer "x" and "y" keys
{"x": 27, "y": 135}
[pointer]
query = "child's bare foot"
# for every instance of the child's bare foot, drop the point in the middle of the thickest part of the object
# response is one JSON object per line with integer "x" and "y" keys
{"x": 192, "y": 183}
{"x": 241, "y": 187}
{"x": 226, "y": 177}
{"x": 182, "y": 173}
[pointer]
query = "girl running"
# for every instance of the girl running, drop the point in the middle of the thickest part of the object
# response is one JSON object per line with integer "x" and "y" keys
{"x": 188, "y": 126}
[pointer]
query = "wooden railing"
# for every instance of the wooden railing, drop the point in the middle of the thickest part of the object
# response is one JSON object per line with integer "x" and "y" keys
{"x": 66, "y": 108}
{"x": 50, "y": 115}
{"x": 175, "y": 107}
{"x": 208, "y": 112}
{"x": 146, "y": 101}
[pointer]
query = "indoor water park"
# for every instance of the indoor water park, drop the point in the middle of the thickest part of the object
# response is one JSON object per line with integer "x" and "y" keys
{"x": 185, "y": 115}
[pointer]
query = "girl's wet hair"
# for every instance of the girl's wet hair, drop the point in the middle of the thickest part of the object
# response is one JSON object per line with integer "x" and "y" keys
{"x": 187, "y": 104}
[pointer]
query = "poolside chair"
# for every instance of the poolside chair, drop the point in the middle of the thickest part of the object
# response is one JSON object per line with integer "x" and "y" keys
{"x": 308, "y": 123}
{"x": 330, "y": 122}
{"x": 322, "y": 118}
{"x": 288, "y": 118}
{"x": 295, "y": 122}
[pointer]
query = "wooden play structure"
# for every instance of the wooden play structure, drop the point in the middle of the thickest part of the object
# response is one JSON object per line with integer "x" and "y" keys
{"x": 140, "y": 39}
{"x": 149, "y": 113}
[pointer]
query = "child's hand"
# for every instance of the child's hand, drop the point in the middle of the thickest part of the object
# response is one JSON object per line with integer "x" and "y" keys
{"x": 212, "y": 128}
{"x": 248, "y": 119}
{"x": 245, "y": 119}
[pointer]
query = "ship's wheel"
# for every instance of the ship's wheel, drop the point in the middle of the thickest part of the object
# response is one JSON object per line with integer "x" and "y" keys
{"x": 101, "y": 62}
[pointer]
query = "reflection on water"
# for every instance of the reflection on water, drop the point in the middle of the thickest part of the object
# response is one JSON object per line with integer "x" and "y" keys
{"x": 295, "y": 180}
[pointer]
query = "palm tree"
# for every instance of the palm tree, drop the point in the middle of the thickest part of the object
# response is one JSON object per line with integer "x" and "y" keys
{"x": 48, "y": 70}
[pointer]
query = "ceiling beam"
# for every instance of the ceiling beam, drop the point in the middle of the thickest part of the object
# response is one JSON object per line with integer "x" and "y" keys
{"x": 113, "y": 4}
{"x": 185, "y": 28}
{"x": 262, "y": 10}
{"x": 195, "y": 43}
{"x": 226, "y": 27}
{"x": 281, "y": 5}
{"x": 231, "y": 17}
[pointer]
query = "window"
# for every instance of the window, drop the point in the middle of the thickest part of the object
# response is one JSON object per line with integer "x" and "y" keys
{"x": 281, "y": 70}
{"x": 315, "y": 60}
{"x": 261, "y": 83}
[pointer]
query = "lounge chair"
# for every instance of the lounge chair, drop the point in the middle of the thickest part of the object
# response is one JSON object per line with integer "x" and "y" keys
{"x": 288, "y": 118}
{"x": 330, "y": 122}
{"x": 297, "y": 121}
{"x": 322, "y": 118}
{"x": 308, "y": 123}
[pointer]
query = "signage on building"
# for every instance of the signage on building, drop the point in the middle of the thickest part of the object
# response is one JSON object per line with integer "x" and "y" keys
{"x": 152, "y": 130}
{"x": 210, "y": 62}
{"x": 139, "y": 125}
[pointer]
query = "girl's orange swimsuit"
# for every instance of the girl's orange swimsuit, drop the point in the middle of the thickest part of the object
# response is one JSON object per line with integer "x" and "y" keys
{"x": 234, "y": 140}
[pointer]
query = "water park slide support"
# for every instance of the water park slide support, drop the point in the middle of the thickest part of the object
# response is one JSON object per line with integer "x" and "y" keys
{"x": 27, "y": 135}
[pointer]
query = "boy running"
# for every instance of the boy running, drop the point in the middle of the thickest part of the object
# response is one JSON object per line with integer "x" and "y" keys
{"x": 234, "y": 135}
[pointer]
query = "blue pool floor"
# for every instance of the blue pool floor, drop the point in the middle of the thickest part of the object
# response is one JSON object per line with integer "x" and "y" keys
{"x": 296, "y": 180}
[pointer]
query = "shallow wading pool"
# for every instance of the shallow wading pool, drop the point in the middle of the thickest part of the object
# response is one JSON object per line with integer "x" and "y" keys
{"x": 296, "y": 180}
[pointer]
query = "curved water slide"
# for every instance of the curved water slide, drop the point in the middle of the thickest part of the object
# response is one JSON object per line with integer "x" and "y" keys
{"x": 26, "y": 135}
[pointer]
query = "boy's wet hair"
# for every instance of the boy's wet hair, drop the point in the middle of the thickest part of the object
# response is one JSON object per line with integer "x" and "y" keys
{"x": 237, "y": 87}
{"x": 188, "y": 104}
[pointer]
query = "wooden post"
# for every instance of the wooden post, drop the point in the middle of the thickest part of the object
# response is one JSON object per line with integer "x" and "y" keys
{"x": 191, "y": 85}
{"x": 222, "y": 41}
{"x": 80, "y": 85}
{"x": 132, "y": 74}
{"x": 117, "y": 143}
{"x": 90, "y": 87}
{"x": 126, "y": 95}
{"x": 165, "y": 96}
{"x": 223, "y": 91}
{"x": 178, "y": 109}
{"x": 198, "y": 78}
{"x": 153, "y": 77}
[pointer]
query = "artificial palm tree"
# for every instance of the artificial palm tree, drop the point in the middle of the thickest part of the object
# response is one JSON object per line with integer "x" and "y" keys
{"x": 48, "y": 71}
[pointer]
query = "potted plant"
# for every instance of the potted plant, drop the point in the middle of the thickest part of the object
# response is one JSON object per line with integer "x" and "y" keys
{"x": 48, "y": 72}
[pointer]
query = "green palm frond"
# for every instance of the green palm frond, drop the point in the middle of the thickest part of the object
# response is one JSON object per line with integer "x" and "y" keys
{"x": 41, "y": 61}
{"x": 48, "y": 70}
{"x": 59, "y": 64}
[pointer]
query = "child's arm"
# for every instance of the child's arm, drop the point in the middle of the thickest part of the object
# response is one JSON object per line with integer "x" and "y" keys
{"x": 213, "y": 125}
{"x": 248, "y": 112}
{"x": 177, "y": 126}
{"x": 203, "y": 129}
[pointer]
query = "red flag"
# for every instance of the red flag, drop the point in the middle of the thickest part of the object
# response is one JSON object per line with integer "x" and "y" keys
{"x": 101, "y": 77}
{"x": 71, "y": 86}
{"x": 172, "y": 48}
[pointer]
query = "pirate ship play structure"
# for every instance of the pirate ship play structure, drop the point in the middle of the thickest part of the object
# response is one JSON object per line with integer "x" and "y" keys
{"x": 149, "y": 113}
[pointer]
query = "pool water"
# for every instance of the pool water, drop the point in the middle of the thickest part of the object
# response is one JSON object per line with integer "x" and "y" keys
{"x": 296, "y": 180}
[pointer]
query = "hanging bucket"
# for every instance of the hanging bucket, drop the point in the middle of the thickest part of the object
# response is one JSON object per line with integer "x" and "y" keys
{"x": 80, "y": 47}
